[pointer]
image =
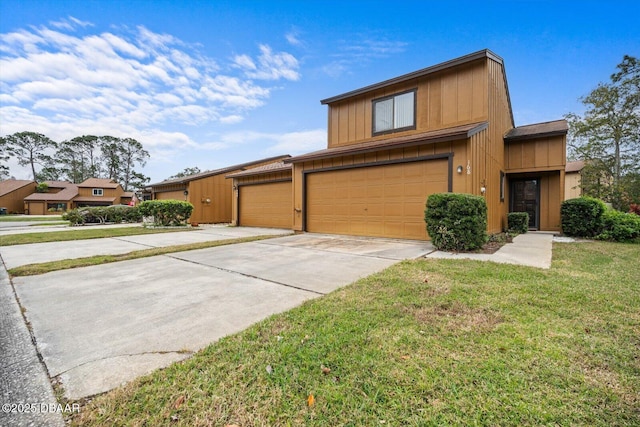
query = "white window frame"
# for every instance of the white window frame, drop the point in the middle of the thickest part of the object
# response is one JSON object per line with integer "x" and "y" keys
{"x": 392, "y": 109}
{"x": 98, "y": 192}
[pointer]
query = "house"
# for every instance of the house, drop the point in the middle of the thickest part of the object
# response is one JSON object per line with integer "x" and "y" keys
{"x": 209, "y": 192}
{"x": 572, "y": 180}
{"x": 445, "y": 128}
{"x": 62, "y": 196}
{"x": 263, "y": 196}
{"x": 13, "y": 192}
{"x": 57, "y": 199}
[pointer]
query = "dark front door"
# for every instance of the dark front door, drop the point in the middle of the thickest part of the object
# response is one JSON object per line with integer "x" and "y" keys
{"x": 524, "y": 198}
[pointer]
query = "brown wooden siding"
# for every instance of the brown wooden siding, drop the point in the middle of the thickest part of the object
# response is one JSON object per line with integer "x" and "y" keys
{"x": 551, "y": 197}
{"x": 106, "y": 192}
{"x": 572, "y": 188}
{"x": 14, "y": 201}
{"x": 536, "y": 154}
{"x": 445, "y": 99}
{"x": 171, "y": 195}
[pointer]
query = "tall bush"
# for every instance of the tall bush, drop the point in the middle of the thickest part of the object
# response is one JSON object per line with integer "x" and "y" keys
{"x": 619, "y": 226}
{"x": 517, "y": 222}
{"x": 582, "y": 217}
{"x": 456, "y": 222}
{"x": 166, "y": 212}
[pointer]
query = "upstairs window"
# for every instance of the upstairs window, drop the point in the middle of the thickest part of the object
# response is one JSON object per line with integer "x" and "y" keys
{"x": 394, "y": 113}
{"x": 98, "y": 192}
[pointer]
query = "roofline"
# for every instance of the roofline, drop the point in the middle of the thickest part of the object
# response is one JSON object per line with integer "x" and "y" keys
{"x": 485, "y": 53}
{"x": 257, "y": 171}
{"x": 558, "y": 132}
{"x": 207, "y": 174}
{"x": 440, "y": 135}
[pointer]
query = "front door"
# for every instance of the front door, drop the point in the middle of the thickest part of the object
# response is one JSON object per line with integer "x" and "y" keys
{"x": 525, "y": 196}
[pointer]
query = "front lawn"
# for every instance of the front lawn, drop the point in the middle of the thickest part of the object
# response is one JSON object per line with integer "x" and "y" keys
{"x": 427, "y": 342}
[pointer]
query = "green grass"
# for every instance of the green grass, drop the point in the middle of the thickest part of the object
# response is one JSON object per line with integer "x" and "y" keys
{"x": 26, "y": 218}
{"x": 82, "y": 233}
{"x": 427, "y": 342}
{"x": 46, "y": 267}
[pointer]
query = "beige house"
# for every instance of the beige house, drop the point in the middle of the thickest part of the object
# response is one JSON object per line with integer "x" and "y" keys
{"x": 13, "y": 192}
{"x": 572, "y": 180}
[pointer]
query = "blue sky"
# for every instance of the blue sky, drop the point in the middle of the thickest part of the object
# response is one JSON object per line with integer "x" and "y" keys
{"x": 214, "y": 83}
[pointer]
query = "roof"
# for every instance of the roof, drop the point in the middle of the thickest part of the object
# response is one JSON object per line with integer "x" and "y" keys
{"x": 11, "y": 185}
{"x": 127, "y": 194}
{"x": 485, "y": 53}
{"x": 98, "y": 183}
{"x": 538, "y": 130}
{"x": 66, "y": 194}
{"x": 430, "y": 137}
{"x": 185, "y": 179}
{"x": 574, "y": 166}
{"x": 268, "y": 168}
{"x": 94, "y": 199}
{"x": 57, "y": 184}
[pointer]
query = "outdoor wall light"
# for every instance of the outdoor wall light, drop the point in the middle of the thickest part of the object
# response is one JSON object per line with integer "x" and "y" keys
{"x": 185, "y": 192}
{"x": 459, "y": 169}
{"x": 208, "y": 200}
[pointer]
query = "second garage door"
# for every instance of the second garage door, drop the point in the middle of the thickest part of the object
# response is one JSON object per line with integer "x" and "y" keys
{"x": 266, "y": 205}
{"x": 381, "y": 201}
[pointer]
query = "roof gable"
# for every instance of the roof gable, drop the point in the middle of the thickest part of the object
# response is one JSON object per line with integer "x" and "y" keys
{"x": 11, "y": 185}
{"x": 98, "y": 183}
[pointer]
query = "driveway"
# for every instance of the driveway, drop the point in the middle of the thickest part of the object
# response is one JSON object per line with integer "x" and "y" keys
{"x": 98, "y": 327}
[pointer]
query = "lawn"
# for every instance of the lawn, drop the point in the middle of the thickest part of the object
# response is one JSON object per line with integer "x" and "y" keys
{"x": 26, "y": 218}
{"x": 425, "y": 342}
{"x": 82, "y": 233}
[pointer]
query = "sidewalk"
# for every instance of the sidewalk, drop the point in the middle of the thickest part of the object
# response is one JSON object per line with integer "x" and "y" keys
{"x": 531, "y": 249}
{"x": 23, "y": 379}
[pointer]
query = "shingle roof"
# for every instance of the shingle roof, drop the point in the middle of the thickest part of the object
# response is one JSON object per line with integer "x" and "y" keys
{"x": 430, "y": 137}
{"x": 269, "y": 168}
{"x": 98, "y": 183}
{"x": 10, "y": 185}
{"x": 537, "y": 130}
{"x": 185, "y": 179}
{"x": 66, "y": 194}
{"x": 574, "y": 166}
{"x": 94, "y": 199}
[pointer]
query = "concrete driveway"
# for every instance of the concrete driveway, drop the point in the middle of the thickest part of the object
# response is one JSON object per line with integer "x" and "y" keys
{"x": 98, "y": 327}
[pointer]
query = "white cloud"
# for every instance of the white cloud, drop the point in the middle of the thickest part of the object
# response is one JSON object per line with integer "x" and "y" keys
{"x": 275, "y": 143}
{"x": 127, "y": 82}
{"x": 293, "y": 37}
{"x": 358, "y": 50}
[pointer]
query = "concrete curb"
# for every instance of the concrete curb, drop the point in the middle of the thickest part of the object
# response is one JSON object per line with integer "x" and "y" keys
{"x": 26, "y": 393}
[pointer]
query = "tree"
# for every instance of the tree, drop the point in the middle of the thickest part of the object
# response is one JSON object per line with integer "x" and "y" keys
{"x": 120, "y": 157}
{"x": 4, "y": 158}
{"x": 186, "y": 172}
{"x": 79, "y": 158}
{"x": 608, "y": 135}
{"x": 30, "y": 149}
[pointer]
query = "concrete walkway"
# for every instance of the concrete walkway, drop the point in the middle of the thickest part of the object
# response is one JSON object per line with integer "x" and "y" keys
{"x": 531, "y": 249}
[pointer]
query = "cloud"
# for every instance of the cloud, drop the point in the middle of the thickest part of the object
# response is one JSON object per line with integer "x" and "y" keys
{"x": 273, "y": 143}
{"x": 358, "y": 50}
{"x": 293, "y": 37}
{"x": 130, "y": 82}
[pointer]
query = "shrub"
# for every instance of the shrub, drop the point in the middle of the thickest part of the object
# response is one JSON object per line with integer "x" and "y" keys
{"x": 619, "y": 226}
{"x": 582, "y": 217}
{"x": 634, "y": 209}
{"x": 517, "y": 222}
{"x": 166, "y": 212}
{"x": 74, "y": 217}
{"x": 456, "y": 221}
{"x": 103, "y": 214}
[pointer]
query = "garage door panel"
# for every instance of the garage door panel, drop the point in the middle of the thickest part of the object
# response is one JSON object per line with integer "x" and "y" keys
{"x": 266, "y": 205}
{"x": 386, "y": 201}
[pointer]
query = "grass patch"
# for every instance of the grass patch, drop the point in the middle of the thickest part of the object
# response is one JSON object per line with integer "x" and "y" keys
{"x": 26, "y": 218}
{"x": 82, "y": 233}
{"x": 47, "y": 267}
{"x": 427, "y": 342}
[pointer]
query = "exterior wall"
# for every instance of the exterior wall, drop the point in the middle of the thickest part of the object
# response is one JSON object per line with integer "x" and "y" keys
{"x": 254, "y": 179}
{"x": 170, "y": 195}
{"x": 445, "y": 99}
{"x": 14, "y": 201}
{"x": 211, "y": 199}
{"x": 572, "y": 187}
{"x": 458, "y": 150}
{"x": 106, "y": 192}
{"x": 550, "y": 198}
{"x": 36, "y": 208}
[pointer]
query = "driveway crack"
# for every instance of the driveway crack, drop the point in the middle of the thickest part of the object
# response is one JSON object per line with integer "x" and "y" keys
{"x": 247, "y": 275}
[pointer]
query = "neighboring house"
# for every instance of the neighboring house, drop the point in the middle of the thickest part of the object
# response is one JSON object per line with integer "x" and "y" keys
{"x": 572, "y": 179}
{"x": 58, "y": 199}
{"x": 209, "y": 192}
{"x": 62, "y": 196}
{"x": 13, "y": 192}
{"x": 263, "y": 196}
{"x": 100, "y": 192}
{"x": 445, "y": 128}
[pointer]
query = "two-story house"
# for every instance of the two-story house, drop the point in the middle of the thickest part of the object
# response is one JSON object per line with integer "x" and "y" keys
{"x": 445, "y": 128}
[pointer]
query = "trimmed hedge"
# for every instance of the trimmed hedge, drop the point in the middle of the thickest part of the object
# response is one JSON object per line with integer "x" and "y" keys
{"x": 619, "y": 226}
{"x": 582, "y": 217}
{"x": 517, "y": 222}
{"x": 166, "y": 212}
{"x": 103, "y": 214}
{"x": 456, "y": 222}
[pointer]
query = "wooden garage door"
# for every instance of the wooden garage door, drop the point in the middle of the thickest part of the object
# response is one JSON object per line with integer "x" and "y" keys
{"x": 382, "y": 201}
{"x": 266, "y": 205}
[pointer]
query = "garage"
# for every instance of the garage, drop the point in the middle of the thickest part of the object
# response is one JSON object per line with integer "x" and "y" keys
{"x": 265, "y": 205}
{"x": 381, "y": 201}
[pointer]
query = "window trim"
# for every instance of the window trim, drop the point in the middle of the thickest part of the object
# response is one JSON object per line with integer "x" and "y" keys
{"x": 393, "y": 96}
{"x": 503, "y": 178}
{"x": 97, "y": 192}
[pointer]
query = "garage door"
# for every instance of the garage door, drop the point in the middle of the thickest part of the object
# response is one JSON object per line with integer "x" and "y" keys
{"x": 266, "y": 205}
{"x": 382, "y": 201}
